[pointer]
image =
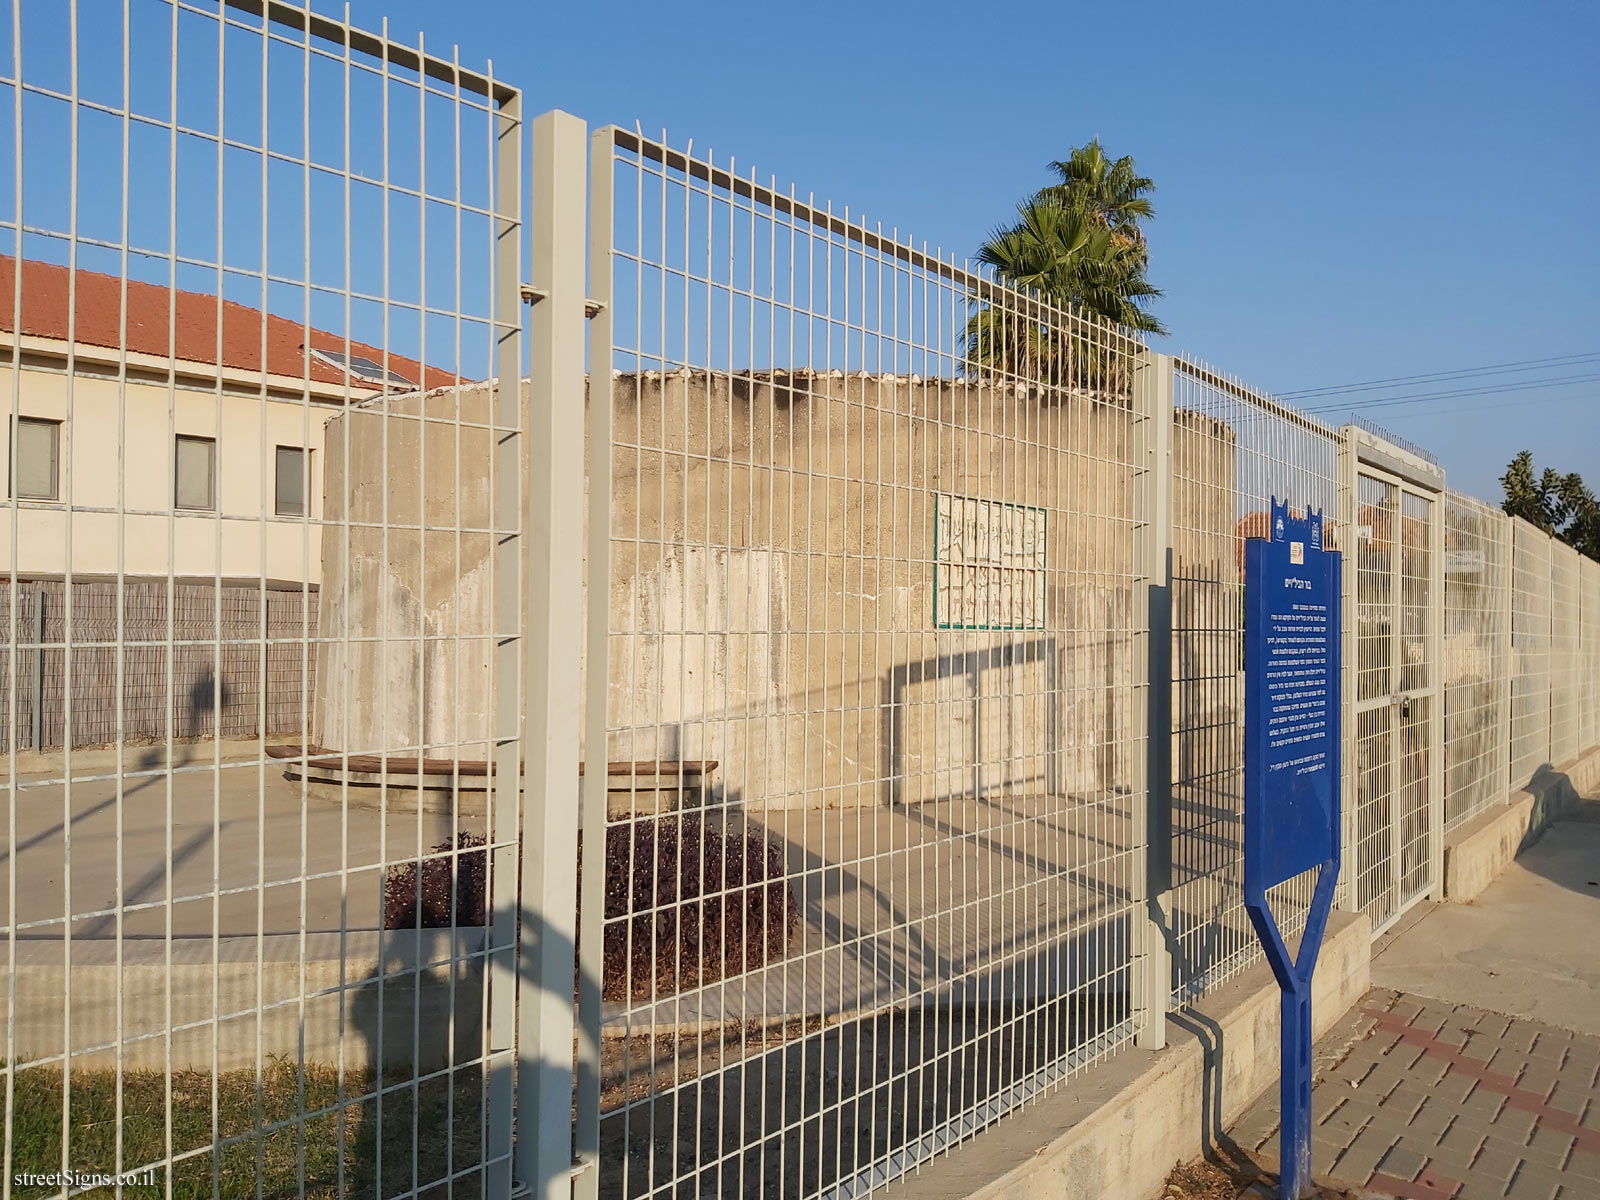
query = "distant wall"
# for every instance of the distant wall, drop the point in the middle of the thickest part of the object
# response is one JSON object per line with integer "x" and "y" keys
{"x": 406, "y": 609}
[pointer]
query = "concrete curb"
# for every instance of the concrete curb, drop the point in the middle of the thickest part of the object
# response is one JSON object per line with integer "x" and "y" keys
{"x": 1476, "y": 853}
{"x": 1121, "y": 1126}
{"x": 137, "y": 756}
{"x": 202, "y": 1013}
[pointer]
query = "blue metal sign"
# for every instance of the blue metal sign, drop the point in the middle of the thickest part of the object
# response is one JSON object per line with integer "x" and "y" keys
{"x": 1291, "y": 780}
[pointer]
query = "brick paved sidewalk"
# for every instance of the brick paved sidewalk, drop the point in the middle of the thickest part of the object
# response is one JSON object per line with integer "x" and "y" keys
{"x": 1422, "y": 1099}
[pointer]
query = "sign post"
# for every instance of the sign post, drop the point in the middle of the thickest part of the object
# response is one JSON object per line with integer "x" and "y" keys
{"x": 1291, "y": 781}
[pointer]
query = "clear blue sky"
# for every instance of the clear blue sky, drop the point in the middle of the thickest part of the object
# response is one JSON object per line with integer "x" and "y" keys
{"x": 1346, "y": 192}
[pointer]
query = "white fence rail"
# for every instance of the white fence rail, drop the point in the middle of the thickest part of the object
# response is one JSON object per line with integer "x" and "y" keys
{"x": 246, "y": 255}
{"x": 889, "y": 615}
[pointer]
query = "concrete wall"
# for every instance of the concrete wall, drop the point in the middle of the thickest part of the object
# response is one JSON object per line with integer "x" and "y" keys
{"x": 407, "y": 568}
{"x": 772, "y": 591}
{"x": 1207, "y": 618}
{"x": 111, "y": 422}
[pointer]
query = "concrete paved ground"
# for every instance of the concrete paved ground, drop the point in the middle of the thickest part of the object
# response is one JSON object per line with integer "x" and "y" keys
{"x": 242, "y": 841}
{"x": 1029, "y": 890}
{"x": 1527, "y": 946}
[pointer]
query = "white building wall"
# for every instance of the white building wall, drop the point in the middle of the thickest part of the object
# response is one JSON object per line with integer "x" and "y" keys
{"x": 119, "y": 441}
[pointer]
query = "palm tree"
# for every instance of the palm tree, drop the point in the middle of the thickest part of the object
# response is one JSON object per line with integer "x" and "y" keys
{"x": 1077, "y": 244}
{"x": 1063, "y": 251}
{"x": 1112, "y": 189}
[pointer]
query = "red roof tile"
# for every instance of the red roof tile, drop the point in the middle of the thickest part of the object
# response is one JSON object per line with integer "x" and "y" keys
{"x": 45, "y": 301}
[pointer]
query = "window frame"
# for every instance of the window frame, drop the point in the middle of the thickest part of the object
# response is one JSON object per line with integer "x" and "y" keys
{"x": 305, "y": 481}
{"x": 177, "y": 467}
{"x": 13, "y": 481}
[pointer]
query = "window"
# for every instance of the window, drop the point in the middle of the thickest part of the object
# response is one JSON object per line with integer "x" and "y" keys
{"x": 196, "y": 472}
{"x": 292, "y": 472}
{"x": 36, "y": 466}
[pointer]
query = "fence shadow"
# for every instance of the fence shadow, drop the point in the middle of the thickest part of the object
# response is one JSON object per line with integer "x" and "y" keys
{"x": 425, "y": 1112}
{"x": 969, "y": 665}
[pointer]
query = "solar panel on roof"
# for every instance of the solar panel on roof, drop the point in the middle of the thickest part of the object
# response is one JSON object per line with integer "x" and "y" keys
{"x": 363, "y": 367}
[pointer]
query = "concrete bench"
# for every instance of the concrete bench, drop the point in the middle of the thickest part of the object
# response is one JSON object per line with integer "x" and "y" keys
{"x": 632, "y": 788}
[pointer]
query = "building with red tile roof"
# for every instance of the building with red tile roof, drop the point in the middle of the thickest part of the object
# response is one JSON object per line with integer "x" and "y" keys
{"x": 182, "y": 326}
{"x": 160, "y": 431}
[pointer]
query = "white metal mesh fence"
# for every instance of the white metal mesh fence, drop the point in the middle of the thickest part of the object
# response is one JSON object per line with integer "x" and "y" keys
{"x": 1566, "y": 663}
{"x": 873, "y": 837}
{"x": 1477, "y": 687}
{"x": 244, "y": 262}
{"x": 866, "y": 762}
{"x": 1233, "y": 451}
{"x": 258, "y": 699}
{"x": 1530, "y": 651}
{"x": 1588, "y": 654}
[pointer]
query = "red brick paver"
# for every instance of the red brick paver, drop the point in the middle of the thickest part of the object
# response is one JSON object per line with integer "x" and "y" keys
{"x": 1425, "y": 1100}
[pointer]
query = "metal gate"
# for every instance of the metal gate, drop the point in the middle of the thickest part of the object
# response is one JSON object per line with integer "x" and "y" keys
{"x": 1395, "y": 846}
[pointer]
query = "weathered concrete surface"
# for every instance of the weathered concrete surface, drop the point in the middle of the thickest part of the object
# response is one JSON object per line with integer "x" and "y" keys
{"x": 1476, "y": 854}
{"x": 409, "y": 536}
{"x": 243, "y": 830}
{"x": 1119, "y": 1128}
{"x": 1524, "y": 947}
{"x": 773, "y": 579}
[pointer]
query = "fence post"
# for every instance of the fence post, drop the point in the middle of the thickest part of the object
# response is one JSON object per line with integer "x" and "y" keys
{"x": 597, "y": 666}
{"x": 1438, "y": 714}
{"x": 1152, "y": 620}
{"x": 36, "y": 714}
{"x": 549, "y": 877}
{"x": 1550, "y": 650}
{"x": 505, "y": 795}
{"x": 1507, "y": 656}
{"x": 1349, "y": 639}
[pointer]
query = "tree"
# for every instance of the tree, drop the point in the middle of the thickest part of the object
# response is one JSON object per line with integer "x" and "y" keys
{"x": 1078, "y": 244}
{"x": 1112, "y": 189}
{"x": 1067, "y": 253}
{"x": 1560, "y": 505}
{"x": 1525, "y": 496}
{"x": 1582, "y": 516}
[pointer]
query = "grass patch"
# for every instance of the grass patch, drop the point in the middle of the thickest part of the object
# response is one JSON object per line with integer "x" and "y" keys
{"x": 259, "y": 1137}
